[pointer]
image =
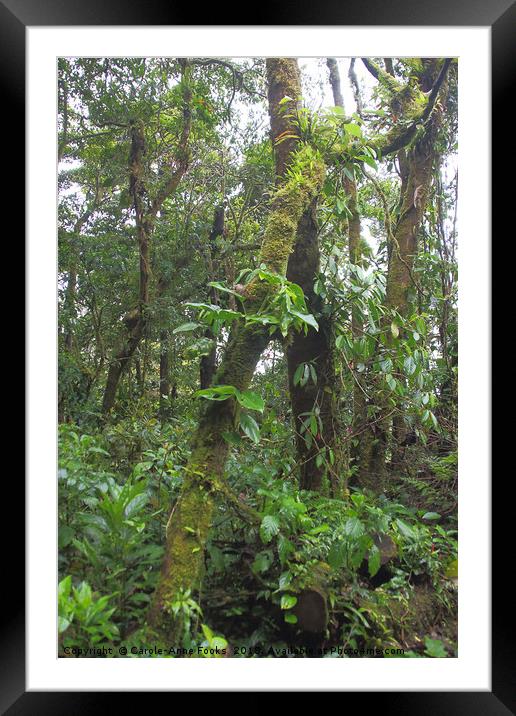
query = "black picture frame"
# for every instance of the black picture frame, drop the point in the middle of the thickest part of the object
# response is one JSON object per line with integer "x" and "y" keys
{"x": 15, "y": 17}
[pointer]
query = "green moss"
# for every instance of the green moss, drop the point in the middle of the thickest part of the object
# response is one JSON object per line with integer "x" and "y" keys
{"x": 304, "y": 182}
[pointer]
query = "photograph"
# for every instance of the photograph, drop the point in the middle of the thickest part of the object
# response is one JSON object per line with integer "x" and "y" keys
{"x": 257, "y": 356}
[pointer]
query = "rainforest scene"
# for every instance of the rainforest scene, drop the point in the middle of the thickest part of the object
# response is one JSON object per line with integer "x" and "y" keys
{"x": 257, "y": 357}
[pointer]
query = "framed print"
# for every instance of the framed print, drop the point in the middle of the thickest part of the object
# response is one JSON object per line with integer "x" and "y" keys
{"x": 258, "y": 354}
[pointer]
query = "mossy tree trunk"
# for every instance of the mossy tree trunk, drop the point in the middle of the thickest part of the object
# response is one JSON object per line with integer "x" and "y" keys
{"x": 191, "y": 518}
{"x": 315, "y": 348}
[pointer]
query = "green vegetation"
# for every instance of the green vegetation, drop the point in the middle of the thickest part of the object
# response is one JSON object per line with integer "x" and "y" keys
{"x": 257, "y": 359}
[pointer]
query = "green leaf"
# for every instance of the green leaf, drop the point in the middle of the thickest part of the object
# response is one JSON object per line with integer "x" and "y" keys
{"x": 353, "y": 129}
{"x": 305, "y": 318}
{"x": 395, "y": 330}
{"x": 391, "y": 382}
{"x": 337, "y": 555}
{"x": 288, "y": 601}
{"x": 354, "y": 527}
{"x": 251, "y": 400}
{"x": 65, "y": 587}
{"x": 290, "y": 618}
{"x": 250, "y": 427}
{"x": 65, "y": 536}
{"x": 452, "y": 570}
{"x": 262, "y": 562}
{"x": 232, "y": 438}
{"x": 185, "y": 327}
{"x": 374, "y": 560}
{"x": 405, "y": 529}
{"x": 435, "y": 648}
{"x": 218, "y": 392}
{"x": 207, "y": 632}
{"x": 63, "y": 624}
{"x": 431, "y": 516}
{"x": 298, "y": 374}
{"x": 409, "y": 365}
{"x": 269, "y": 528}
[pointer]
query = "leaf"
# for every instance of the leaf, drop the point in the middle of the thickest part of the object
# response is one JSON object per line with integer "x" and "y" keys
{"x": 290, "y": 618}
{"x": 452, "y": 570}
{"x": 354, "y": 527}
{"x": 185, "y": 327}
{"x": 391, "y": 382}
{"x": 337, "y": 555}
{"x": 218, "y": 392}
{"x": 262, "y": 562}
{"x": 409, "y": 365}
{"x": 250, "y": 427}
{"x": 405, "y": 529}
{"x": 251, "y": 400}
{"x": 232, "y": 438}
{"x": 374, "y": 561}
{"x": 395, "y": 330}
{"x": 65, "y": 587}
{"x": 435, "y": 648}
{"x": 298, "y": 373}
{"x": 65, "y": 536}
{"x": 207, "y": 632}
{"x": 353, "y": 129}
{"x": 306, "y": 318}
{"x": 288, "y": 601}
{"x": 220, "y": 287}
{"x": 63, "y": 624}
{"x": 269, "y": 528}
{"x": 431, "y": 516}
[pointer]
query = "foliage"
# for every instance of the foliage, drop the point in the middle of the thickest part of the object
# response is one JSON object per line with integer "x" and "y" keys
{"x": 376, "y": 560}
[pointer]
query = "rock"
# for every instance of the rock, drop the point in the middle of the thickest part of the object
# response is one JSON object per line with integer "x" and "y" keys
{"x": 311, "y": 610}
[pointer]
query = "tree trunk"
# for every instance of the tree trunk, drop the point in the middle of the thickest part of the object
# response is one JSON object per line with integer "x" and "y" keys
{"x": 164, "y": 376}
{"x": 319, "y": 457}
{"x": 314, "y": 348}
{"x": 209, "y": 362}
{"x": 191, "y": 518}
{"x": 355, "y": 258}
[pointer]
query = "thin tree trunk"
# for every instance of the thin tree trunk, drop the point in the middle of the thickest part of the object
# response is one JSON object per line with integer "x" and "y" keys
{"x": 355, "y": 258}
{"x": 164, "y": 376}
{"x": 136, "y": 319}
{"x": 209, "y": 362}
